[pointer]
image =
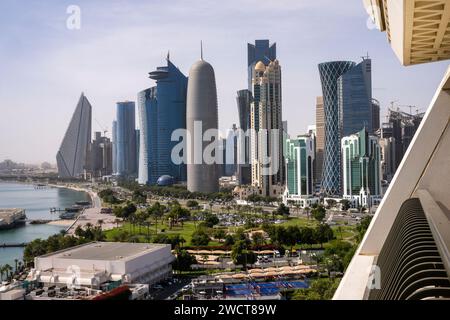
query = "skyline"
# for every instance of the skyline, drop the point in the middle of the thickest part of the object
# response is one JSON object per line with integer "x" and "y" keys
{"x": 48, "y": 66}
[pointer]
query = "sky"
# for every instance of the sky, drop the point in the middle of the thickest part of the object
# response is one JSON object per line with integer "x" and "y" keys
{"x": 44, "y": 65}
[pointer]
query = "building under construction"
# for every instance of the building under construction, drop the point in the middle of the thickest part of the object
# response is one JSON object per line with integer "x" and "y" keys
{"x": 401, "y": 127}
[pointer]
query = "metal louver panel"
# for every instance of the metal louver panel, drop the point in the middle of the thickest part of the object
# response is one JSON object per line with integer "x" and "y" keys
{"x": 410, "y": 265}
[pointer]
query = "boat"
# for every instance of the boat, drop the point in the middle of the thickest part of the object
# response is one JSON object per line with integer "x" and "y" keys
{"x": 68, "y": 215}
{"x": 83, "y": 203}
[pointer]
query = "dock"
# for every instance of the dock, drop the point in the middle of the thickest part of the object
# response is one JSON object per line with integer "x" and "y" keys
{"x": 13, "y": 245}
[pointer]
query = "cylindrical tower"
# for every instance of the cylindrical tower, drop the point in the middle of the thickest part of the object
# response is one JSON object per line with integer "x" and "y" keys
{"x": 329, "y": 75}
{"x": 201, "y": 115}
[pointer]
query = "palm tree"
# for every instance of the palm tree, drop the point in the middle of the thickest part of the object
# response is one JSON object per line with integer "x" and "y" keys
{"x": 100, "y": 222}
{"x": 117, "y": 221}
{"x": 8, "y": 270}
{"x": 307, "y": 210}
{"x": 2, "y": 271}
{"x": 15, "y": 264}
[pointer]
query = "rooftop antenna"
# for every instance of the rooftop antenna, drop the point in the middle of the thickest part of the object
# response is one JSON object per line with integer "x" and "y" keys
{"x": 201, "y": 49}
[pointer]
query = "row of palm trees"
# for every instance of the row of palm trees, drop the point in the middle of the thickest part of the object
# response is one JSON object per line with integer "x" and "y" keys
{"x": 7, "y": 271}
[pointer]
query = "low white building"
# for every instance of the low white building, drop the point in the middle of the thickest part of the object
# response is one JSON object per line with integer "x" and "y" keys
{"x": 97, "y": 263}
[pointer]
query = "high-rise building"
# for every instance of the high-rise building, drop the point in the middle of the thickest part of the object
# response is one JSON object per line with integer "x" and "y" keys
{"x": 262, "y": 51}
{"x": 355, "y": 98}
{"x": 330, "y": 72}
{"x": 126, "y": 140}
{"x": 375, "y": 115}
{"x": 201, "y": 116}
{"x": 361, "y": 159}
{"x": 320, "y": 140}
{"x": 230, "y": 155}
{"x": 73, "y": 155}
{"x": 267, "y": 129}
{"x": 162, "y": 110}
{"x": 388, "y": 162}
{"x": 101, "y": 156}
{"x": 401, "y": 126}
{"x": 114, "y": 147}
{"x": 300, "y": 153}
{"x": 243, "y": 173}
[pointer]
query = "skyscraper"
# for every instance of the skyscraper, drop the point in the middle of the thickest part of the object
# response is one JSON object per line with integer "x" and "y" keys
{"x": 201, "y": 116}
{"x": 73, "y": 155}
{"x": 244, "y": 99}
{"x": 126, "y": 140}
{"x": 355, "y": 98}
{"x": 260, "y": 51}
{"x": 162, "y": 110}
{"x": 267, "y": 134}
{"x": 320, "y": 140}
{"x": 114, "y": 147}
{"x": 300, "y": 167}
{"x": 361, "y": 158}
{"x": 330, "y": 72}
{"x": 101, "y": 156}
{"x": 375, "y": 115}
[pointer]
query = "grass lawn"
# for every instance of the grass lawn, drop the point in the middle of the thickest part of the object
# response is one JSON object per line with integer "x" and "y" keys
{"x": 185, "y": 232}
{"x": 300, "y": 222}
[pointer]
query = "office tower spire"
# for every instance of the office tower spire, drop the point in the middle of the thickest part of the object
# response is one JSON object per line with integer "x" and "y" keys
{"x": 73, "y": 155}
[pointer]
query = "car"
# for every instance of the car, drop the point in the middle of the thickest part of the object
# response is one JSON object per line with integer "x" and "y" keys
{"x": 158, "y": 287}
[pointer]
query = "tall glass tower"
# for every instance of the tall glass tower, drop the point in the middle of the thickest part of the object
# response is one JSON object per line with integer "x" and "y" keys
{"x": 162, "y": 110}
{"x": 355, "y": 98}
{"x": 126, "y": 140}
{"x": 330, "y": 72}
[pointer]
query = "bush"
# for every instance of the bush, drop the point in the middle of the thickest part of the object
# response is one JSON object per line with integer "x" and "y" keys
{"x": 200, "y": 238}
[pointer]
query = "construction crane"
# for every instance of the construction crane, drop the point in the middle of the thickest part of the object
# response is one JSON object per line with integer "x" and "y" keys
{"x": 105, "y": 129}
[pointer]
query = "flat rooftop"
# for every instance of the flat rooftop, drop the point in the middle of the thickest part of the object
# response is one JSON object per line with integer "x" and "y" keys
{"x": 112, "y": 251}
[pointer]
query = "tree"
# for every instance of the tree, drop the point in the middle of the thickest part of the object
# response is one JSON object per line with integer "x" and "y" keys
{"x": 362, "y": 227}
{"x": 229, "y": 240}
{"x": 292, "y": 236}
{"x": 183, "y": 261}
{"x": 258, "y": 239}
{"x": 345, "y": 204}
{"x": 240, "y": 254}
{"x": 307, "y": 210}
{"x": 139, "y": 197}
{"x": 200, "y": 238}
{"x": 211, "y": 220}
{"x": 320, "y": 289}
{"x": 156, "y": 211}
{"x": 319, "y": 213}
{"x": 219, "y": 234}
{"x": 323, "y": 233}
{"x": 282, "y": 210}
{"x": 192, "y": 204}
{"x": 331, "y": 203}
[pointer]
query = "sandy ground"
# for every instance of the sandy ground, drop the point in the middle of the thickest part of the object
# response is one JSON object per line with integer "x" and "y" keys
{"x": 92, "y": 216}
{"x": 62, "y": 223}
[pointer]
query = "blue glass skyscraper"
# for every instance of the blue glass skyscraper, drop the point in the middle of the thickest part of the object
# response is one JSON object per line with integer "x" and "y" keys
{"x": 162, "y": 109}
{"x": 330, "y": 72}
{"x": 355, "y": 99}
{"x": 126, "y": 140}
